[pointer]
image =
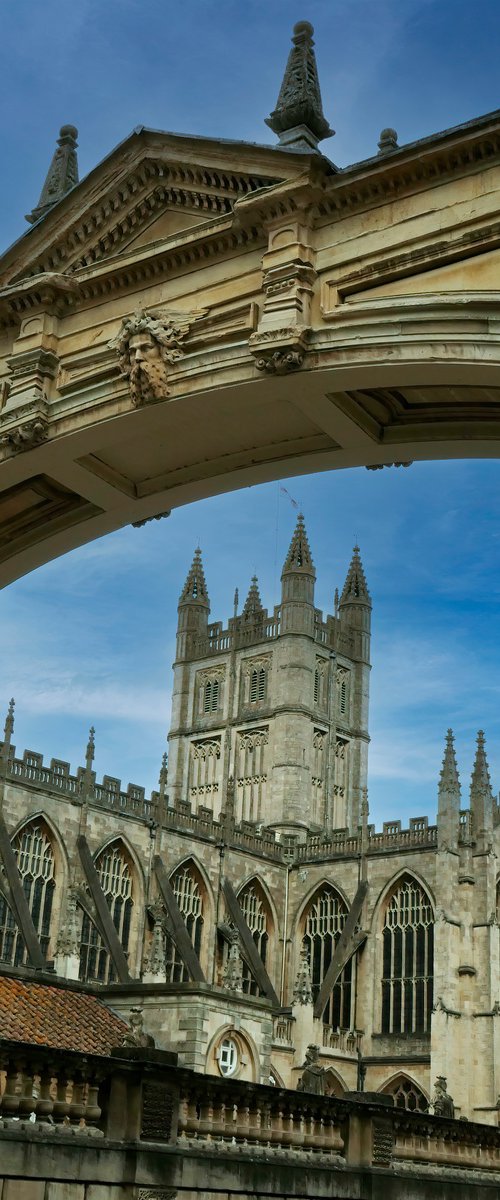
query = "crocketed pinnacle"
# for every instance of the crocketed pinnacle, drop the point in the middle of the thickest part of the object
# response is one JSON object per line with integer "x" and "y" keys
{"x": 298, "y": 118}
{"x": 299, "y": 556}
{"x": 480, "y": 782}
{"x": 449, "y": 779}
{"x": 62, "y": 174}
{"x": 90, "y": 753}
{"x": 195, "y": 587}
{"x": 252, "y": 607}
{"x": 355, "y": 587}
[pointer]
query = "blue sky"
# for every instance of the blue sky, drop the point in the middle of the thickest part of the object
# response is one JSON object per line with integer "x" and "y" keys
{"x": 90, "y": 638}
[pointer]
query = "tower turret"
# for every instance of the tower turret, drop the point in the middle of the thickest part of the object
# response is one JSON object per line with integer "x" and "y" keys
{"x": 297, "y": 585}
{"x": 193, "y": 608}
{"x": 448, "y": 820}
{"x": 481, "y": 798}
{"x": 355, "y": 607}
{"x": 253, "y": 609}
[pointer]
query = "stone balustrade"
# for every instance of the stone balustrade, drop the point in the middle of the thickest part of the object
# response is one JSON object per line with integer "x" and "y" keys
{"x": 419, "y": 1138}
{"x": 61, "y": 1089}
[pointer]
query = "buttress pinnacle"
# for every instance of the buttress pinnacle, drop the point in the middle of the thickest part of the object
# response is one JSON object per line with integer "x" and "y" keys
{"x": 195, "y": 587}
{"x": 355, "y": 586}
{"x": 449, "y": 779}
{"x": 299, "y": 557}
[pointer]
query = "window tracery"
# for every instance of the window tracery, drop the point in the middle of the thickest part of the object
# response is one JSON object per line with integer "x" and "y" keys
{"x": 251, "y": 773}
{"x": 205, "y": 767}
{"x": 256, "y": 913}
{"x": 407, "y": 973}
{"x": 407, "y": 1094}
{"x": 255, "y": 677}
{"x": 210, "y": 687}
{"x": 34, "y": 853}
{"x": 343, "y": 692}
{"x": 187, "y": 890}
{"x": 115, "y": 873}
{"x": 320, "y": 682}
{"x": 324, "y": 921}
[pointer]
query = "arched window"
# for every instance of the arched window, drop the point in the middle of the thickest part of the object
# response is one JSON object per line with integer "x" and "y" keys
{"x": 407, "y": 1094}
{"x": 258, "y": 918}
{"x": 34, "y": 853}
{"x": 211, "y": 696}
{"x": 115, "y": 872}
{"x": 407, "y": 959}
{"x": 257, "y": 685}
{"x": 323, "y": 924}
{"x": 188, "y": 891}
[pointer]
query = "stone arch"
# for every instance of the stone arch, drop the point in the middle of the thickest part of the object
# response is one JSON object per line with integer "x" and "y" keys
{"x": 194, "y": 896}
{"x": 334, "y": 1084}
{"x": 381, "y": 900}
{"x": 319, "y": 925}
{"x": 406, "y": 1092}
{"x": 403, "y": 923}
{"x": 121, "y": 883}
{"x": 260, "y": 915}
{"x": 304, "y": 902}
{"x": 248, "y": 1056}
{"x": 42, "y": 866}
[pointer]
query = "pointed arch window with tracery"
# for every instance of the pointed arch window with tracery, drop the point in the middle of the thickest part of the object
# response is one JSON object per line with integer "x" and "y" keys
{"x": 115, "y": 871}
{"x": 407, "y": 1094}
{"x": 258, "y": 918}
{"x": 34, "y": 853}
{"x": 324, "y": 921}
{"x": 408, "y": 950}
{"x": 188, "y": 891}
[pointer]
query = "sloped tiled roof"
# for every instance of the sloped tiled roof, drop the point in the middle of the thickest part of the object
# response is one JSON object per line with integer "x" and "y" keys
{"x": 59, "y": 1017}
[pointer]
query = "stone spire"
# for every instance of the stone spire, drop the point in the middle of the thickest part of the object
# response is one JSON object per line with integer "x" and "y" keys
{"x": 252, "y": 608}
{"x": 62, "y": 174}
{"x": 299, "y": 557}
{"x": 298, "y": 118}
{"x": 195, "y": 588}
{"x": 448, "y": 797}
{"x": 355, "y": 588}
{"x": 481, "y": 798}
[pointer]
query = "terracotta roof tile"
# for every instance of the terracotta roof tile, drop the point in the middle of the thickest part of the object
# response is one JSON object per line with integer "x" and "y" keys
{"x": 59, "y": 1017}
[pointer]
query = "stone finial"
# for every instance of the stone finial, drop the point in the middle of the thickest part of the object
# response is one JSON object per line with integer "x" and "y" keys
{"x": 355, "y": 587}
{"x": 236, "y": 602}
{"x": 62, "y": 174}
{"x": 155, "y": 961}
{"x": 449, "y": 779}
{"x": 298, "y": 118}
{"x": 195, "y": 588}
{"x": 8, "y": 728}
{"x": 163, "y": 776}
{"x": 481, "y": 796}
{"x": 232, "y": 979}
{"x": 302, "y": 992}
{"x": 90, "y": 751}
{"x": 299, "y": 557}
{"x": 388, "y": 141}
{"x": 253, "y": 608}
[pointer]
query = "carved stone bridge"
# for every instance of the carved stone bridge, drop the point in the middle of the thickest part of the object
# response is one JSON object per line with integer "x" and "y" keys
{"x": 199, "y": 315}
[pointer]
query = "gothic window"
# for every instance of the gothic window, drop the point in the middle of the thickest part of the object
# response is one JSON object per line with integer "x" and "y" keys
{"x": 343, "y": 692}
{"x": 211, "y": 696}
{"x": 187, "y": 889}
{"x": 205, "y": 765}
{"x": 115, "y": 872}
{"x": 407, "y": 972}
{"x": 257, "y": 685}
{"x": 251, "y": 774}
{"x": 323, "y": 924}
{"x": 407, "y": 1094}
{"x": 36, "y": 865}
{"x": 316, "y": 686}
{"x": 258, "y": 918}
{"x": 319, "y": 682}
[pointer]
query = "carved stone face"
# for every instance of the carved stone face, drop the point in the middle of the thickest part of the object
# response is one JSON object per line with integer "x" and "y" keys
{"x": 148, "y": 375}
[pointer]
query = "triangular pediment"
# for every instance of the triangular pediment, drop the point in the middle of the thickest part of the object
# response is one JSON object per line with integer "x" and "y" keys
{"x": 151, "y": 187}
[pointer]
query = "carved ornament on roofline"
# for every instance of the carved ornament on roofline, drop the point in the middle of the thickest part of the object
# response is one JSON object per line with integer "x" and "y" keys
{"x": 24, "y": 436}
{"x": 279, "y": 351}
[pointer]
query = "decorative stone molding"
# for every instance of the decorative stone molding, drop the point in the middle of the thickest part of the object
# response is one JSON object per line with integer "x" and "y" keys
{"x": 146, "y": 520}
{"x": 146, "y": 346}
{"x": 302, "y": 992}
{"x": 25, "y": 436}
{"x": 154, "y": 966}
{"x": 68, "y": 942}
{"x": 440, "y": 1006}
{"x": 232, "y": 979}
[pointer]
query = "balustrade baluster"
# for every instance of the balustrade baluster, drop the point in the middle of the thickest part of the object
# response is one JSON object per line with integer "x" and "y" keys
{"x": 45, "y": 1103}
{"x": 61, "y": 1103}
{"x": 12, "y": 1095}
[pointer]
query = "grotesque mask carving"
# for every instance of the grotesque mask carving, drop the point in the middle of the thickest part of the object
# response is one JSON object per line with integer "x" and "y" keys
{"x": 146, "y": 347}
